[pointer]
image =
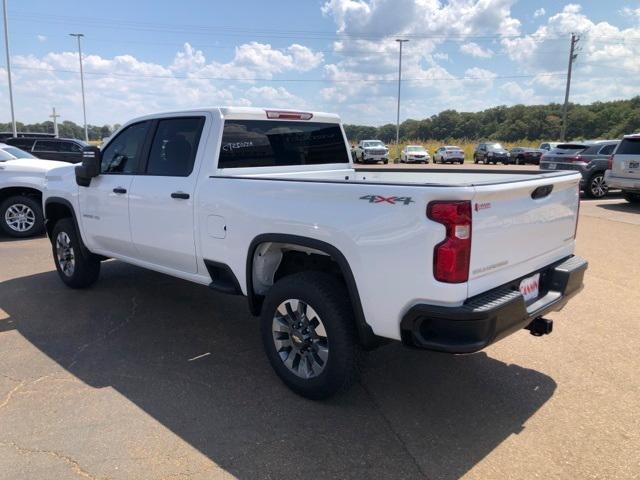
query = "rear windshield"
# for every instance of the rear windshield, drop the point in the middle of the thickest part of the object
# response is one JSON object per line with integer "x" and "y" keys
{"x": 264, "y": 143}
{"x": 569, "y": 148}
{"x": 629, "y": 146}
{"x": 16, "y": 152}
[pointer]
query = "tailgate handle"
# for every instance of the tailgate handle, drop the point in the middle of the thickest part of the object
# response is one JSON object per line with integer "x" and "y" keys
{"x": 541, "y": 192}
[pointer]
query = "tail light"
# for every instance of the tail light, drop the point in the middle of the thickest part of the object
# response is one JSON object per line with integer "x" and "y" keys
{"x": 451, "y": 256}
{"x": 575, "y": 158}
{"x": 575, "y": 230}
{"x": 610, "y": 162}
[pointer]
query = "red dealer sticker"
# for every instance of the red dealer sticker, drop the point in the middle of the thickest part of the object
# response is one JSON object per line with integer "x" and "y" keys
{"x": 529, "y": 287}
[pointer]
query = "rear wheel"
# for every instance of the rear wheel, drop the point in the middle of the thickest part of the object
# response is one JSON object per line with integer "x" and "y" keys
{"x": 309, "y": 336}
{"x": 21, "y": 216}
{"x": 631, "y": 197}
{"x": 76, "y": 266}
{"x": 596, "y": 186}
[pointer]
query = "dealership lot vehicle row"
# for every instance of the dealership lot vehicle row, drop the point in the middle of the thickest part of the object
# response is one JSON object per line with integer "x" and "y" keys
{"x": 110, "y": 369}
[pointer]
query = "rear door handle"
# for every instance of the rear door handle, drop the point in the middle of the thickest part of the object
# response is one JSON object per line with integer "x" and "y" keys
{"x": 119, "y": 190}
{"x": 180, "y": 195}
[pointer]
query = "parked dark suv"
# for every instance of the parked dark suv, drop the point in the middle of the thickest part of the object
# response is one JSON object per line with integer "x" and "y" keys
{"x": 491, "y": 152}
{"x": 61, "y": 149}
{"x": 591, "y": 159}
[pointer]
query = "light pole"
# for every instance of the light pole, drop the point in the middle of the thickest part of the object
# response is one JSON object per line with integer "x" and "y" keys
{"x": 84, "y": 108}
{"x": 400, "y": 41}
{"x": 6, "y": 45}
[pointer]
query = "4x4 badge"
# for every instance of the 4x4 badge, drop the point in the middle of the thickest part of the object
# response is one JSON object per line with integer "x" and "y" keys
{"x": 393, "y": 200}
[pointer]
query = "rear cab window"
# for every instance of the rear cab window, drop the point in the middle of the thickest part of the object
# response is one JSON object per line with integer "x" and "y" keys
{"x": 269, "y": 143}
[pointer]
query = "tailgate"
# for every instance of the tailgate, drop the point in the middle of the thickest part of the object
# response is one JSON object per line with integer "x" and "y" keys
{"x": 520, "y": 227}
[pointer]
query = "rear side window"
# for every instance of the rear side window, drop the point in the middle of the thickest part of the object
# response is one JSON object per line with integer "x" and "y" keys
{"x": 264, "y": 143}
{"x": 46, "y": 146}
{"x": 174, "y": 147}
{"x": 607, "y": 149}
{"x": 629, "y": 146}
{"x": 23, "y": 143}
{"x": 592, "y": 150}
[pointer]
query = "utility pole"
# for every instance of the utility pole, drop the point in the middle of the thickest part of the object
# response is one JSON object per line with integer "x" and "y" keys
{"x": 55, "y": 116}
{"x": 84, "y": 107}
{"x": 400, "y": 41}
{"x": 6, "y": 46}
{"x": 572, "y": 56}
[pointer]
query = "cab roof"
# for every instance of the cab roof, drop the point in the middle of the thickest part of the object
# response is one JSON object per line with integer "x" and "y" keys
{"x": 248, "y": 113}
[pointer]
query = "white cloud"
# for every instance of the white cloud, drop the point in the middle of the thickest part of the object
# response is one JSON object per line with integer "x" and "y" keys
{"x": 476, "y": 50}
{"x": 41, "y": 38}
{"x": 121, "y": 87}
{"x": 541, "y": 12}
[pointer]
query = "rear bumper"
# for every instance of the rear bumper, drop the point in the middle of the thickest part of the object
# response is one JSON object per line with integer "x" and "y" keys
{"x": 491, "y": 316}
{"x": 629, "y": 184}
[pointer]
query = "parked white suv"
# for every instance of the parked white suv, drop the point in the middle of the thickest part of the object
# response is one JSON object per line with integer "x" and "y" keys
{"x": 21, "y": 185}
{"x": 266, "y": 204}
{"x": 624, "y": 168}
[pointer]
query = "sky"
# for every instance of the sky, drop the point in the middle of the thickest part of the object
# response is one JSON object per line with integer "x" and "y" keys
{"x": 338, "y": 56}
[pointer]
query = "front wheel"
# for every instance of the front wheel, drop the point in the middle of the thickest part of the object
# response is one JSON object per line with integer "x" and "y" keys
{"x": 76, "y": 266}
{"x": 21, "y": 216}
{"x": 308, "y": 334}
{"x": 596, "y": 186}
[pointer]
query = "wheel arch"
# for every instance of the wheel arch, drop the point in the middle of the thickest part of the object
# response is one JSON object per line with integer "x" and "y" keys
{"x": 365, "y": 334}
{"x": 7, "y": 192}
{"x": 56, "y": 208}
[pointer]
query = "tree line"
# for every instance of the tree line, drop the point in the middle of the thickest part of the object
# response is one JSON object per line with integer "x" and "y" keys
{"x": 519, "y": 122}
{"x": 66, "y": 129}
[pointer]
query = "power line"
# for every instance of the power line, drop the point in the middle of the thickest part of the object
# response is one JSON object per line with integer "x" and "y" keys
{"x": 302, "y": 80}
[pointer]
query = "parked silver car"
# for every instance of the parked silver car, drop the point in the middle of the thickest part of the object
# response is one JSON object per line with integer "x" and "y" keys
{"x": 624, "y": 168}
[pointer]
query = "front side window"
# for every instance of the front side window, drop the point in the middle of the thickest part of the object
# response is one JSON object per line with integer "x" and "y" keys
{"x": 123, "y": 153}
{"x": 264, "y": 143}
{"x": 174, "y": 146}
{"x": 46, "y": 146}
{"x": 70, "y": 147}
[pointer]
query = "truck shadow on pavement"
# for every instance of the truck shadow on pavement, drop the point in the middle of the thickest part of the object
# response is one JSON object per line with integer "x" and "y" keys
{"x": 413, "y": 414}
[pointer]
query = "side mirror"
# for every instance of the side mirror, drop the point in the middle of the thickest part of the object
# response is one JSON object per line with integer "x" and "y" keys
{"x": 91, "y": 160}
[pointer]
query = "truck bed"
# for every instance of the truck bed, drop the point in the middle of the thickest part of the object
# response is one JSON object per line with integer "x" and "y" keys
{"x": 439, "y": 177}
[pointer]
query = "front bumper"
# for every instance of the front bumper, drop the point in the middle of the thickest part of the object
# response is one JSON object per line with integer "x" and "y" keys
{"x": 491, "y": 316}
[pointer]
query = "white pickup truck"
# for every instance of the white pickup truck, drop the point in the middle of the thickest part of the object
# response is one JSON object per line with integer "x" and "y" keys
{"x": 266, "y": 204}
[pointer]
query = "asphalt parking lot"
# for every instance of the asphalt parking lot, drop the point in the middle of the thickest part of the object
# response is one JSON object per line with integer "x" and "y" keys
{"x": 148, "y": 377}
